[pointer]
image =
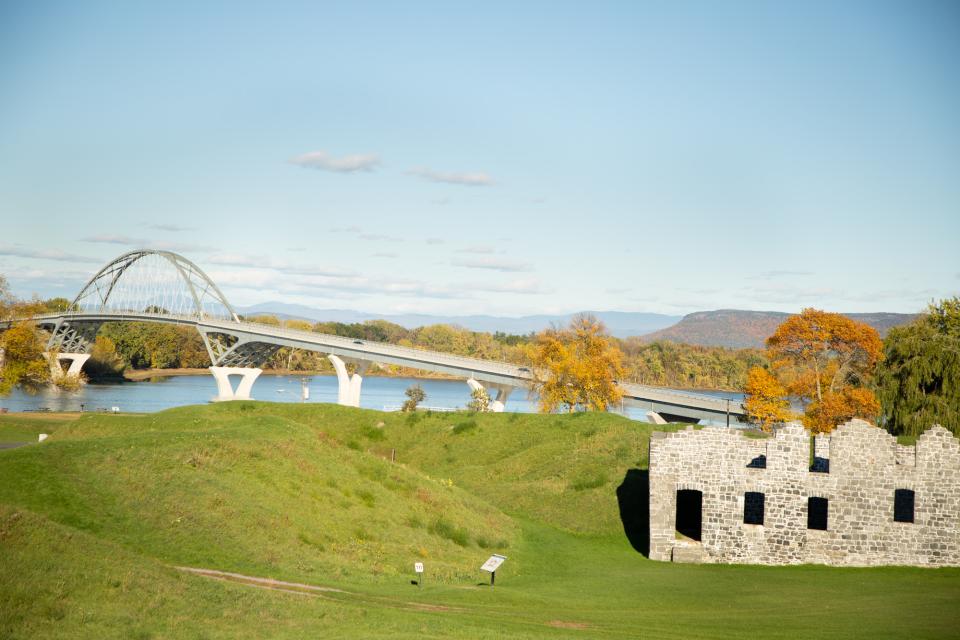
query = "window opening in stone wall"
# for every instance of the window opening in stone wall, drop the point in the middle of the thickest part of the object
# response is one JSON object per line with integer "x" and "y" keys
{"x": 817, "y": 513}
{"x": 760, "y": 462}
{"x": 689, "y": 513}
{"x": 903, "y": 505}
{"x": 753, "y": 507}
{"x": 818, "y": 464}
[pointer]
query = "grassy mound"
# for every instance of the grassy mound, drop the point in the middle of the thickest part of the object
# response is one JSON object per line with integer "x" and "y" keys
{"x": 558, "y": 469}
{"x": 252, "y": 491}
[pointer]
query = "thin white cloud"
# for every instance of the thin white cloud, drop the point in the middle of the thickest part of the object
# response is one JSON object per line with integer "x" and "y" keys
{"x": 246, "y": 261}
{"x": 385, "y": 254}
{"x": 784, "y": 295}
{"x": 171, "y": 227}
{"x": 478, "y": 248}
{"x": 527, "y": 286}
{"x": 143, "y": 243}
{"x": 378, "y": 236}
{"x": 333, "y": 287}
{"x": 493, "y": 264}
{"x": 43, "y": 254}
{"x": 345, "y": 164}
{"x": 110, "y": 238}
{"x": 440, "y": 241}
{"x": 180, "y": 247}
{"x": 474, "y": 179}
{"x": 769, "y": 275}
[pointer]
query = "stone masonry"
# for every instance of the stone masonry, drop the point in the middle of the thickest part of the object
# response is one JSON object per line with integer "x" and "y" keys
{"x": 886, "y": 504}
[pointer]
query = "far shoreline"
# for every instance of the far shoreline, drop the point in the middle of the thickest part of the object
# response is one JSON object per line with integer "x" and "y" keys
{"x": 139, "y": 375}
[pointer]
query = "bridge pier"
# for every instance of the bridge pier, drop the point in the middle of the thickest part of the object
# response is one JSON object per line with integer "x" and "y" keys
{"x": 498, "y": 402}
{"x": 77, "y": 360}
{"x": 655, "y": 418}
{"x": 225, "y": 390}
{"x": 348, "y": 392}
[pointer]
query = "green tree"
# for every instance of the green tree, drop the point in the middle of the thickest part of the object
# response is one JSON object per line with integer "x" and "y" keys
{"x": 56, "y": 304}
{"x": 104, "y": 361}
{"x": 919, "y": 379}
{"x": 479, "y": 400}
{"x": 415, "y": 395}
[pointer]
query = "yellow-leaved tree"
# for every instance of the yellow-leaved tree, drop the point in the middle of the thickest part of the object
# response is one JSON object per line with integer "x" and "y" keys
{"x": 577, "y": 367}
{"x": 828, "y": 361}
{"x": 766, "y": 402}
{"x": 23, "y": 364}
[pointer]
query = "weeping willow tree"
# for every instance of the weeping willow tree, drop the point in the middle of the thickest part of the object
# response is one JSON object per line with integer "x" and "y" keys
{"x": 919, "y": 378}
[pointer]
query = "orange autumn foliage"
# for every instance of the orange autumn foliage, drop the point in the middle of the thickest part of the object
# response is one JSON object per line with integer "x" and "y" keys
{"x": 766, "y": 402}
{"x": 577, "y": 367}
{"x": 827, "y": 360}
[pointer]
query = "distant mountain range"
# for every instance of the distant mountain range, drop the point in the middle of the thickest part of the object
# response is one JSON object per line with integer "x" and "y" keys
{"x": 620, "y": 323}
{"x": 741, "y": 329}
{"x": 734, "y": 328}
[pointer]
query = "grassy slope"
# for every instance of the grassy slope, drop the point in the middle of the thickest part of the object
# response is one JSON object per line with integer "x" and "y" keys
{"x": 19, "y": 428}
{"x": 305, "y": 493}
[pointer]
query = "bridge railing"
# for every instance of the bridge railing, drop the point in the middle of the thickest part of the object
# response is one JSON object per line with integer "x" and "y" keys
{"x": 386, "y": 348}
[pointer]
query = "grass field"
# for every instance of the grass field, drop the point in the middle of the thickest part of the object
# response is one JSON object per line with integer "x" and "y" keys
{"x": 94, "y": 522}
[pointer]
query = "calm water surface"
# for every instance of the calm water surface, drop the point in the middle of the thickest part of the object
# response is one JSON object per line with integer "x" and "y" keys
{"x": 156, "y": 394}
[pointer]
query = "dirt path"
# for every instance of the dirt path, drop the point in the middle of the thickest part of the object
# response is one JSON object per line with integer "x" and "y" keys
{"x": 315, "y": 591}
{"x": 265, "y": 583}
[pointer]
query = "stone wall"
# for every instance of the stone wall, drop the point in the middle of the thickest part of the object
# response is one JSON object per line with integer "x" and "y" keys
{"x": 858, "y": 468}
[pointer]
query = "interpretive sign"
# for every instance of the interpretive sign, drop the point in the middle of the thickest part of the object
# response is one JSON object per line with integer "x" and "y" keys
{"x": 493, "y": 562}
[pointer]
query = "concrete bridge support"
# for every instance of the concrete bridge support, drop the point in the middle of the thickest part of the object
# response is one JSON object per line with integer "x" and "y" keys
{"x": 225, "y": 390}
{"x": 498, "y": 402}
{"x": 76, "y": 360}
{"x": 348, "y": 393}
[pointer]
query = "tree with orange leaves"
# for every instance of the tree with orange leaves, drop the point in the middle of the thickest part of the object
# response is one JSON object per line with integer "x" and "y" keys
{"x": 577, "y": 367}
{"x": 766, "y": 399}
{"x": 827, "y": 360}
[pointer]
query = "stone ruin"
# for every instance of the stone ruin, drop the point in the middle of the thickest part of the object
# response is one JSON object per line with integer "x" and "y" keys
{"x": 851, "y": 498}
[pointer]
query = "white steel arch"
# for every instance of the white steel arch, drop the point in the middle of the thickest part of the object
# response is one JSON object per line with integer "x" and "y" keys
{"x": 150, "y": 281}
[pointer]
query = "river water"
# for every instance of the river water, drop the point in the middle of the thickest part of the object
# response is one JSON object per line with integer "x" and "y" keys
{"x": 156, "y": 394}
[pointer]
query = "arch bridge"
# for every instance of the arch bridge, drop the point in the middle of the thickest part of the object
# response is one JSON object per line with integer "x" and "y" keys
{"x": 161, "y": 286}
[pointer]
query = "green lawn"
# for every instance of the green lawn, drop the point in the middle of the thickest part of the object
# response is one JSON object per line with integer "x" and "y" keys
{"x": 94, "y": 520}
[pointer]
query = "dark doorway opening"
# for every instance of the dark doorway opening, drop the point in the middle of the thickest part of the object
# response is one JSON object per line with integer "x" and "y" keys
{"x": 689, "y": 513}
{"x": 817, "y": 509}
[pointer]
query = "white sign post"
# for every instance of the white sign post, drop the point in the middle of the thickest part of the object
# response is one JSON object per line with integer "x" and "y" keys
{"x": 491, "y": 565}
{"x": 418, "y": 568}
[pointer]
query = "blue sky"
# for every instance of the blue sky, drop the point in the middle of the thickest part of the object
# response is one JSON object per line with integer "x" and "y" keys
{"x": 498, "y": 158}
